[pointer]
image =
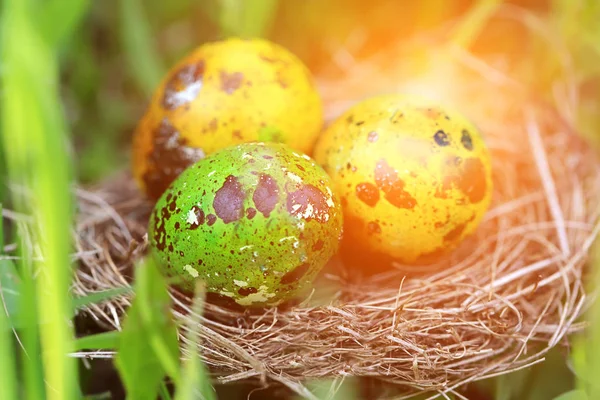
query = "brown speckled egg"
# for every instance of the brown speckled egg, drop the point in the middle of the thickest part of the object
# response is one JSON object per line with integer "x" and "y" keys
{"x": 414, "y": 177}
{"x": 256, "y": 222}
{"x": 224, "y": 93}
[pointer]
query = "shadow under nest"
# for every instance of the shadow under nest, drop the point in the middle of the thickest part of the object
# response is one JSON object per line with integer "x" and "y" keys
{"x": 498, "y": 303}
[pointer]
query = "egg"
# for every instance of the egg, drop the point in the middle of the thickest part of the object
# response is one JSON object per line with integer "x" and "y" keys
{"x": 256, "y": 222}
{"x": 414, "y": 177}
{"x": 224, "y": 93}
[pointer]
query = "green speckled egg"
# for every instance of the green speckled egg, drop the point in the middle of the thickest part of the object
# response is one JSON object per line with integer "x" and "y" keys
{"x": 256, "y": 222}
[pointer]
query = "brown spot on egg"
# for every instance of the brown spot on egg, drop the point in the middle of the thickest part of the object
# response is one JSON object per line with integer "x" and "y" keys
{"x": 169, "y": 157}
{"x": 236, "y": 134}
{"x": 199, "y": 213}
{"x": 250, "y": 213}
{"x": 309, "y": 203}
{"x": 295, "y": 274}
{"x": 266, "y": 195}
{"x": 245, "y": 291}
{"x": 273, "y": 60}
{"x": 183, "y": 86}
{"x": 470, "y": 179}
{"x": 213, "y": 125}
{"x": 372, "y": 137}
{"x": 281, "y": 81}
{"x": 318, "y": 245}
{"x": 466, "y": 140}
{"x": 230, "y": 82}
{"x": 399, "y": 197}
{"x": 387, "y": 180}
{"x": 373, "y": 228}
{"x": 441, "y": 138}
{"x": 385, "y": 176}
{"x": 367, "y": 193}
{"x": 229, "y": 200}
{"x": 455, "y": 233}
{"x": 473, "y": 182}
{"x": 432, "y": 112}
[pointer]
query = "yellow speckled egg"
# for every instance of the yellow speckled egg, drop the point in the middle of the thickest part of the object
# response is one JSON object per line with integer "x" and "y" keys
{"x": 414, "y": 177}
{"x": 224, "y": 93}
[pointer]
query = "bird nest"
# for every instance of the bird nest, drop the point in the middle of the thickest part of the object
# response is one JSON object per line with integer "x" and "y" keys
{"x": 498, "y": 303}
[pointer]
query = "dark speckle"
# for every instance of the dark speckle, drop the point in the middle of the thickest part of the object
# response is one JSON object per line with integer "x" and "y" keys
{"x": 295, "y": 274}
{"x": 211, "y": 219}
{"x": 199, "y": 213}
{"x": 441, "y": 138}
{"x": 245, "y": 291}
{"x": 230, "y": 82}
{"x": 373, "y": 228}
{"x": 318, "y": 245}
{"x": 466, "y": 140}
{"x": 229, "y": 200}
{"x": 250, "y": 213}
{"x": 455, "y": 233}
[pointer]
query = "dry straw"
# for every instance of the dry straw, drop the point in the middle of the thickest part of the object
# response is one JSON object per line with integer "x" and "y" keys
{"x": 499, "y": 303}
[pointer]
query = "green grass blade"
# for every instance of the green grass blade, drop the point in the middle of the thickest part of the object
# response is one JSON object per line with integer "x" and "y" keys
{"x": 29, "y": 332}
{"x": 99, "y": 341}
{"x": 8, "y": 389}
{"x": 100, "y": 297}
{"x": 10, "y": 288}
{"x": 69, "y": 13}
{"x": 246, "y": 18}
{"x": 572, "y": 395}
{"x": 195, "y": 382}
{"x": 164, "y": 391}
{"x": 145, "y": 65}
{"x": 33, "y": 129}
{"x": 148, "y": 345}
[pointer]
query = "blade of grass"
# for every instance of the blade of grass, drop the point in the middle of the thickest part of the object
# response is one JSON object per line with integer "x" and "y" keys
{"x": 12, "y": 78}
{"x": 148, "y": 345}
{"x": 10, "y": 288}
{"x": 99, "y": 297}
{"x": 145, "y": 65}
{"x": 572, "y": 395}
{"x": 242, "y": 18}
{"x": 28, "y": 318}
{"x": 69, "y": 13}
{"x": 104, "y": 340}
{"x": 195, "y": 382}
{"x": 164, "y": 391}
{"x": 34, "y": 140}
{"x": 7, "y": 357}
